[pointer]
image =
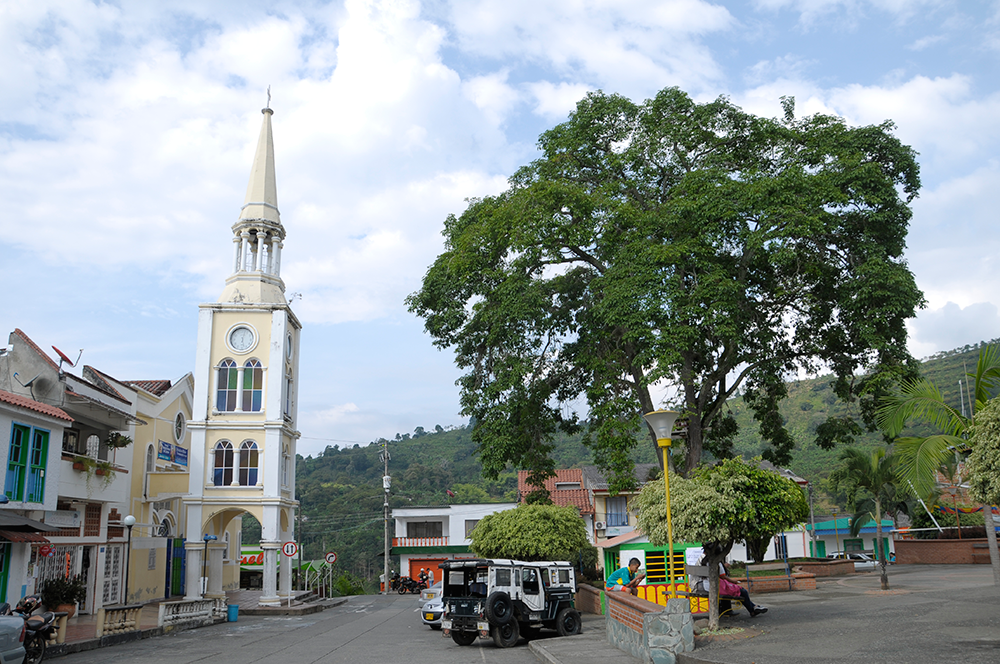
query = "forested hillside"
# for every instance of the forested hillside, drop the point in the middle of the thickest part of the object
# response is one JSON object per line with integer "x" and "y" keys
{"x": 341, "y": 489}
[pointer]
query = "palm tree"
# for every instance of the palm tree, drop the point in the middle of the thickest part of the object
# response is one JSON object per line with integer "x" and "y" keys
{"x": 870, "y": 476}
{"x": 919, "y": 458}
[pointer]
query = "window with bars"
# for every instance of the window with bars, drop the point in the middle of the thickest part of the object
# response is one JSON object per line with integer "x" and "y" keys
{"x": 656, "y": 566}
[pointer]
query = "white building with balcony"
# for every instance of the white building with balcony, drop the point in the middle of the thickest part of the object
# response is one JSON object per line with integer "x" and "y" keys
{"x": 428, "y": 536}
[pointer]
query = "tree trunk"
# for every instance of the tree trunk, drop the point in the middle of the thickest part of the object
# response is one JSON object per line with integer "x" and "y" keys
{"x": 880, "y": 551}
{"x": 713, "y": 591}
{"x": 991, "y": 538}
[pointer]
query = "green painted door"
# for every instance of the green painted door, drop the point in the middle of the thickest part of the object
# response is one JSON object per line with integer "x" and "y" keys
{"x": 820, "y": 551}
{"x": 4, "y": 569}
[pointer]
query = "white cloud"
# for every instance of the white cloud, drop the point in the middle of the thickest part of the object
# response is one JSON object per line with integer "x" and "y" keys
{"x": 629, "y": 46}
{"x": 554, "y": 101}
{"x": 952, "y": 326}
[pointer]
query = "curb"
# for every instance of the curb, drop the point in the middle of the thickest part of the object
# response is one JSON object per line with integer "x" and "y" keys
{"x": 129, "y": 637}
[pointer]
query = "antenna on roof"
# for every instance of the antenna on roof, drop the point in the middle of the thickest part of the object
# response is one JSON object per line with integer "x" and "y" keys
{"x": 65, "y": 358}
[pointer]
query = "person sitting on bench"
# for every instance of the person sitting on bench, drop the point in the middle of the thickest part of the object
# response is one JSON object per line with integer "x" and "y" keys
{"x": 626, "y": 579}
{"x": 727, "y": 588}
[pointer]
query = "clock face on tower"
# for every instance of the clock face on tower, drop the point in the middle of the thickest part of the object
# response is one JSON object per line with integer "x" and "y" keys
{"x": 242, "y": 338}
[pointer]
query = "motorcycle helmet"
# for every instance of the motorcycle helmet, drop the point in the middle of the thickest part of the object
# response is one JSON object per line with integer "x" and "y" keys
{"x": 28, "y": 604}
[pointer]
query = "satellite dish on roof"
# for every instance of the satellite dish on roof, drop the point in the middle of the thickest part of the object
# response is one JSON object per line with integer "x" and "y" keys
{"x": 65, "y": 358}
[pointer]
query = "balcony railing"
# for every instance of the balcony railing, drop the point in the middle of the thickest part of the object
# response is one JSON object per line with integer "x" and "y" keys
{"x": 420, "y": 541}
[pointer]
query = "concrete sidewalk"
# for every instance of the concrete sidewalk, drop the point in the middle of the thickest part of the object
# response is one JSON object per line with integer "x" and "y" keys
{"x": 932, "y": 613}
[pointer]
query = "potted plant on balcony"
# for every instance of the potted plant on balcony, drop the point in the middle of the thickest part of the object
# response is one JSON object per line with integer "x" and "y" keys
{"x": 91, "y": 466}
{"x": 62, "y": 594}
{"x": 117, "y": 440}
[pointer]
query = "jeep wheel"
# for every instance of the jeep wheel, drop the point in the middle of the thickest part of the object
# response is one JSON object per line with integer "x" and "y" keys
{"x": 499, "y": 608}
{"x": 505, "y": 635}
{"x": 463, "y": 638}
{"x": 568, "y": 622}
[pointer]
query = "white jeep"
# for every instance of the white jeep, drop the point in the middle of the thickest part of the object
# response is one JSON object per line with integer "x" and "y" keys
{"x": 507, "y": 599}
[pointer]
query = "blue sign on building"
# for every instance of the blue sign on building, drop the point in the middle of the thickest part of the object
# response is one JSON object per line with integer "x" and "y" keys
{"x": 166, "y": 451}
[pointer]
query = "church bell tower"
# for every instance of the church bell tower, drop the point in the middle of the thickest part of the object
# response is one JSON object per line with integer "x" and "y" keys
{"x": 244, "y": 421}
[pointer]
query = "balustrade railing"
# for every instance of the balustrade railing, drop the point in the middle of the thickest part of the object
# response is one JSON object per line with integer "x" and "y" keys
{"x": 118, "y": 619}
{"x": 190, "y": 609}
{"x": 420, "y": 541}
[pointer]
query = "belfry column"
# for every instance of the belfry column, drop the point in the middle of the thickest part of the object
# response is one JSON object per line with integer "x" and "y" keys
{"x": 275, "y": 256}
{"x": 260, "y": 251}
{"x": 238, "y": 244}
{"x": 270, "y": 595}
{"x": 244, "y": 241}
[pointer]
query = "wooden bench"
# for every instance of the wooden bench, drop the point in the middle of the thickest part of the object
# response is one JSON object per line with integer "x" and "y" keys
{"x": 725, "y": 603}
{"x": 765, "y": 567}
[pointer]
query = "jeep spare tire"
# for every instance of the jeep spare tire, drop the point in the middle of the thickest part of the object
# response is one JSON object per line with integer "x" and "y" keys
{"x": 499, "y": 608}
{"x": 568, "y": 622}
{"x": 463, "y": 638}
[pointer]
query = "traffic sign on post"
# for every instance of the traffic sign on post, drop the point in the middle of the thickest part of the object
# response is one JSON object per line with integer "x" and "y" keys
{"x": 289, "y": 548}
{"x": 331, "y": 557}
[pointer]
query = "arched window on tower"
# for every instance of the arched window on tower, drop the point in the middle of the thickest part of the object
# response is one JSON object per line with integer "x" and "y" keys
{"x": 223, "y": 468}
{"x": 226, "y": 395}
{"x": 248, "y": 463}
{"x": 253, "y": 386}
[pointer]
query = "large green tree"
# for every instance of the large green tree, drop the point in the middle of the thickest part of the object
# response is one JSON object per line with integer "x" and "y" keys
{"x": 920, "y": 457}
{"x": 670, "y": 241}
{"x": 871, "y": 483}
{"x": 719, "y": 505}
{"x": 531, "y": 532}
{"x": 983, "y": 465}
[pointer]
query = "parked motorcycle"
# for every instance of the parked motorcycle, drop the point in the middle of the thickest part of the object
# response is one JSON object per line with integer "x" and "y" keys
{"x": 394, "y": 581}
{"x": 38, "y": 629}
{"x": 408, "y": 585}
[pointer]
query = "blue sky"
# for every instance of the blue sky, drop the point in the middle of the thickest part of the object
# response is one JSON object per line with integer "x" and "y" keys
{"x": 128, "y": 128}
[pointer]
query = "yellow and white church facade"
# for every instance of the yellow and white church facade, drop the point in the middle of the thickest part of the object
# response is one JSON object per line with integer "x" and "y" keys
{"x": 243, "y": 421}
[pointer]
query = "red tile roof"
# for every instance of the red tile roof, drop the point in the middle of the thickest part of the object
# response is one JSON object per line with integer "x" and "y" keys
{"x": 31, "y": 404}
{"x": 157, "y": 387}
{"x": 34, "y": 347}
{"x": 579, "y": 498}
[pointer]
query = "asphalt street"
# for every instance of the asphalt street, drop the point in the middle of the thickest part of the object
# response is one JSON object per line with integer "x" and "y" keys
{"x": 366, "y": 630}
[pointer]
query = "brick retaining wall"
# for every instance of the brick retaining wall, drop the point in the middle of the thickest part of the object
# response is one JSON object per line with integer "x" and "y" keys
{"x": 588, "y": 598}
{"x": 778, "y": 584}
{"x": 826, "y": 567}
{"x": 941, "y": 552}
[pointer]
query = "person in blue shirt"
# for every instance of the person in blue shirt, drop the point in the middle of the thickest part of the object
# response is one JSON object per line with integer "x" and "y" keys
{"x": 626, "y": 579}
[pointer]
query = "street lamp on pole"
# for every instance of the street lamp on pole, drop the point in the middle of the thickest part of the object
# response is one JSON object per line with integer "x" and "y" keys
{"x": 662, "y": 424}
{"x": 204, "y": 562}
{"x": 129, "y": 521}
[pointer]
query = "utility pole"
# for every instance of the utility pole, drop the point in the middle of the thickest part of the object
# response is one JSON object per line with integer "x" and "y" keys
{"x": 302, "y": 542}
{"x": 812, "y": 517}
{"x": 386, "y": 483}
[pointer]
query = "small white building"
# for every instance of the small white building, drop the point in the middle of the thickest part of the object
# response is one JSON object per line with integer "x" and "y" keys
{"x": 428, "y": 536}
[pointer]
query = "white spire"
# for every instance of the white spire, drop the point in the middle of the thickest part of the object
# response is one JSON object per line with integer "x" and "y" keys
{"x": 261, "y": 202}
{"x": 258, "y": 234}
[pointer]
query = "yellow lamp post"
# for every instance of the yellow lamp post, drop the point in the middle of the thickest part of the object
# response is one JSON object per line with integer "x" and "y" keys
{"x": 662, "y": 423}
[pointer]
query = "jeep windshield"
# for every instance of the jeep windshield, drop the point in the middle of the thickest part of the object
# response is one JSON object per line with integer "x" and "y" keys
{"x": 466, "y": 581}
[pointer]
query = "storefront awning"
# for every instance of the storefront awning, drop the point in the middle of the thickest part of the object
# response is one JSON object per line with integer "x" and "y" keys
{"x": 18, "y": 523}
{"x": 15, "y": 536}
